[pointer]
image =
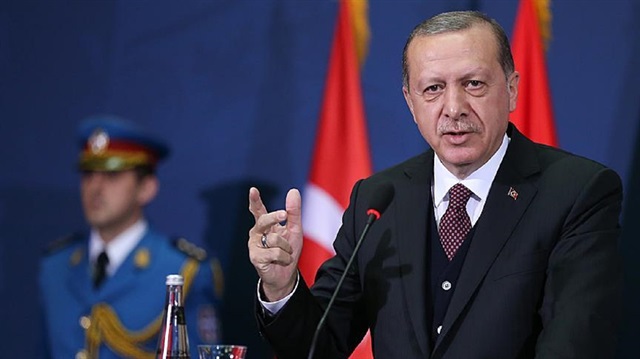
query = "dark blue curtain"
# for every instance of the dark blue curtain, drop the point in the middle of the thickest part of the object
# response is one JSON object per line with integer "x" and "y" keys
{"x": 235, "y": 87}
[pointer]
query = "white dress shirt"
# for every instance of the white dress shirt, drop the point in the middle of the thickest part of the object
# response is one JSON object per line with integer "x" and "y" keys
{"x": 119, "y": 248}
{"x": 479, "y": 182}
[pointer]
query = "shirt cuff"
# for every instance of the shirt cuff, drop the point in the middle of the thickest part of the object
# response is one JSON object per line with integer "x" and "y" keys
{"x": 272, "y": 308}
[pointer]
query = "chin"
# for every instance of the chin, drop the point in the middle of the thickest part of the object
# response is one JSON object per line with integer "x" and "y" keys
{"x": 96, "y": 221}
{"x": 460, "y": 157}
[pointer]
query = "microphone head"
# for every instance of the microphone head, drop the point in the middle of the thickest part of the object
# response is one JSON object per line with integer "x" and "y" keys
{"x": 381, "y": 199}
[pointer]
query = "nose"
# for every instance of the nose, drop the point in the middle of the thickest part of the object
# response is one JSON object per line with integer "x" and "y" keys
{"x": 455, "y": 103}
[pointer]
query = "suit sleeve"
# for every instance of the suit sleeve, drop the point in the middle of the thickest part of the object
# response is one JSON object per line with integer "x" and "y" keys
{"x": 582, "y": 296}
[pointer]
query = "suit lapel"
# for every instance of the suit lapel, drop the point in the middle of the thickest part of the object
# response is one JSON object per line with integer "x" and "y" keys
{"x": 127, "y": 277}
{"x": 499, "y": 218}
{"x": 79, "y": 280}
{"x": 414, "y": 198}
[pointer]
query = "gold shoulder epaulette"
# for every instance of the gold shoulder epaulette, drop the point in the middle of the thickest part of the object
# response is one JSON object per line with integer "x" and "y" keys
{"x": 190, "y": 249}
{"x": 61, "y": 243}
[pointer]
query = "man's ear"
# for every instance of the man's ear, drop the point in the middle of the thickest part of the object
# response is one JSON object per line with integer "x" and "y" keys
{"x": 512, "y": 87}
{"x": 149, "y": 187}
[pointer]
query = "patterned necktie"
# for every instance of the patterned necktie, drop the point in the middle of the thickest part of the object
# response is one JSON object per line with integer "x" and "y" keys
{"x": 100, "y": 269}
{"x": 455, "y": 224}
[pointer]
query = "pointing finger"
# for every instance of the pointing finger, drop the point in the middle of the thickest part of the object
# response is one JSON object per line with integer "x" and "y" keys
{"x": 256, "y": 207}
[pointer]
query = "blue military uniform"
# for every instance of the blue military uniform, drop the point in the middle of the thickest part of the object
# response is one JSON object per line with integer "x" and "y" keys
{"x": 122, "y": 317}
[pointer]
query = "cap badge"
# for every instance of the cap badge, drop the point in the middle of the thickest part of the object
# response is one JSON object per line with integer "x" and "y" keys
{"x": 98, "y": 141}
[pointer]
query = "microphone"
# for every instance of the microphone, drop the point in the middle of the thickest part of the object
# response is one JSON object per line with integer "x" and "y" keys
{"x": 379, "y": 203}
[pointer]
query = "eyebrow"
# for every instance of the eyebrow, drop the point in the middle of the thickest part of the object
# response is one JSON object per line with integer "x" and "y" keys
{"x": 477, "y": 71}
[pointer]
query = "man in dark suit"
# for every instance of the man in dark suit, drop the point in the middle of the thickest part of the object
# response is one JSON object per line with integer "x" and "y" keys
{"x": 493, "y": 246}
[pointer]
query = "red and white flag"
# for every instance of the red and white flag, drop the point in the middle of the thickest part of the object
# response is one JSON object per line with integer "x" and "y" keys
{"x": 341, "y": 154}
{"x": 534, "y": 113}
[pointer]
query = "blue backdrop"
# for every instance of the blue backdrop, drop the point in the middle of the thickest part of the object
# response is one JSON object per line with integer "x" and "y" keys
{"x": 235, "y": 87}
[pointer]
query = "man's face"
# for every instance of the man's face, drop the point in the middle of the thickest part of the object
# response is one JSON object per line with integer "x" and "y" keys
{"x": 459, "y": 97}
{"x": 112, "y": 201}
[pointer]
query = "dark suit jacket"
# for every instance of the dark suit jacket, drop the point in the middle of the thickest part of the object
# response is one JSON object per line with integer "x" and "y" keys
{"x": 541, "y": 278}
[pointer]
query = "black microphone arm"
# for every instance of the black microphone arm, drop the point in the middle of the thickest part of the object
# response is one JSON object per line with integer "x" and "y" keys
{"x": 379, "y": 204}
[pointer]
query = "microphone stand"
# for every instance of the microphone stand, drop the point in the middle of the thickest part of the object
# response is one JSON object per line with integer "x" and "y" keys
{"x": 372, "y": 218}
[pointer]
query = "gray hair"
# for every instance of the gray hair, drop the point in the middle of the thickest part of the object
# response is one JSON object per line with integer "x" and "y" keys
{"x": 457, "y": 21}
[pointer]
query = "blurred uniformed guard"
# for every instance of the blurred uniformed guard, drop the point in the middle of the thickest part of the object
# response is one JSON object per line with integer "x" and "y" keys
{"x": 103, "y": 292}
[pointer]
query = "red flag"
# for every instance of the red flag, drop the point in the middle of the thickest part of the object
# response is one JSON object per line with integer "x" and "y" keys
{"x": 341, "y": 155}
{"x": 534, "y": 113}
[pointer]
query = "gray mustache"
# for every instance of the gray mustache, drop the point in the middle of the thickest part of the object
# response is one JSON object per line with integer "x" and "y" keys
{"x": 449, "y": 125}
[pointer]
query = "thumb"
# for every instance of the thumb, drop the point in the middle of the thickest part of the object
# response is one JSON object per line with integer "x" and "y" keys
{"x": 293, "y": 206}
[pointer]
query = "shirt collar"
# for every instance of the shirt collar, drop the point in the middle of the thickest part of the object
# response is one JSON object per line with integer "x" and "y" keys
{"x": 479, "y": 181}
{"x": 120, "y": 247}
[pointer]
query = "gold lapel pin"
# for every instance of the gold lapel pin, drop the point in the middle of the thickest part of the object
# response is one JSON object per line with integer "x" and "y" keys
{"x": 76, "y": 257}
{"x": 142, "y": 258}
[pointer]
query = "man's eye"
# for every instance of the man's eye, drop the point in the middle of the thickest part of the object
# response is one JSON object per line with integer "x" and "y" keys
{"x": 433, "y": 88}
{"x": 474, "y": 83}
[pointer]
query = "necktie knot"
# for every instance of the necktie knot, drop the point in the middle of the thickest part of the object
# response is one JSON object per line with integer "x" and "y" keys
{"x": 459, "y": 195}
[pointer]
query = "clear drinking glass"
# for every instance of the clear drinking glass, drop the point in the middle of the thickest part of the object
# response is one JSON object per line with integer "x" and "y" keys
{"x": 222, "y": 351}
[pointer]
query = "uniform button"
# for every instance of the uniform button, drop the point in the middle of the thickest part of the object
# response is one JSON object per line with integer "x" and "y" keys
{"x": 85, "y": 322}
{"x": 82, "y": 354}
{"x": 439, "y": 329}
{"x": 446, "y": 285}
